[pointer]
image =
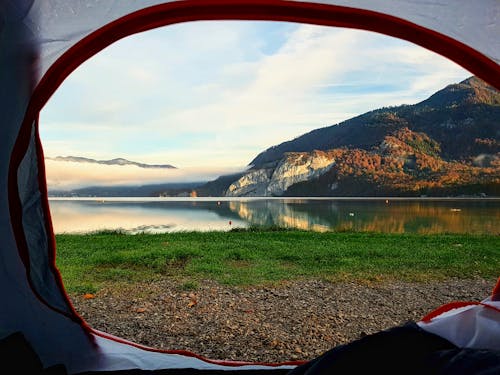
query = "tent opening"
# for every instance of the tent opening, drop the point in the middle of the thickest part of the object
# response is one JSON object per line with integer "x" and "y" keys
{"x": 172, "y": 131}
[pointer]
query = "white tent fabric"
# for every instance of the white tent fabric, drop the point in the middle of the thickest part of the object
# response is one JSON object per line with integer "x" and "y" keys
{"x": 60, "y": 24}
{"x": 474, "y": 326}
{"x": 43, "y": 41}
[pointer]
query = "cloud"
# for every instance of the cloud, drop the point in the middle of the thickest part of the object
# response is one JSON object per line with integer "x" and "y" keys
{"x": 284, "y": 98}
{"x": 217, "y": 93}
{"x": 65, "y": 175}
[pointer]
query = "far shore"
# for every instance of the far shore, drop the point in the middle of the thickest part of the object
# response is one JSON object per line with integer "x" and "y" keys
{"x": 228, "y": 199}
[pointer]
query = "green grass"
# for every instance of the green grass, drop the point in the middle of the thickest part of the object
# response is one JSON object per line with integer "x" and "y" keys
{"x": 258, "y": 256}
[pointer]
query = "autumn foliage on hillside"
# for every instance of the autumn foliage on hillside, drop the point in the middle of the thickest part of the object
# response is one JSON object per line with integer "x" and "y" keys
{"x": 406, "y": 163}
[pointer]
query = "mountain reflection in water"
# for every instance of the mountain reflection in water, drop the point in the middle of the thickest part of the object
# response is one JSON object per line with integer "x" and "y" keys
{"x": 377, "y": 215}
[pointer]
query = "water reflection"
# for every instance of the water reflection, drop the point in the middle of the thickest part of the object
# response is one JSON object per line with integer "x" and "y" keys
{"x": 396, "y": 216}
{"x": 79, "y": 216}
{"x": 163, "y": 215}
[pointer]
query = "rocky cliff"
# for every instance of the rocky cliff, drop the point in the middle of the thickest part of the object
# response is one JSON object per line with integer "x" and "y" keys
{"x": 274, "y": 180}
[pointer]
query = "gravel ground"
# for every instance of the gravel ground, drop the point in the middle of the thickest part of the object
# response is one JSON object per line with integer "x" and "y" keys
{"x": 292, "y": 321}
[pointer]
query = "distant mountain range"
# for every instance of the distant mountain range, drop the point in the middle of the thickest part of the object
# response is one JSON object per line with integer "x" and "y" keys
{"x": 445, "y": 145}
{"x": 117, "y": 161}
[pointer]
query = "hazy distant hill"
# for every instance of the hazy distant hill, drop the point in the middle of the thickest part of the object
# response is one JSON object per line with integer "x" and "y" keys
{"x": 149, "y": 190}
{"x": 154, "y": 190}
{"x": 445, "y": 145}
{"x": 117, "y": 161}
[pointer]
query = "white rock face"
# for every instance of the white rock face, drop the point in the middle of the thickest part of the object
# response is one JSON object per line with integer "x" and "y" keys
{"x": 294, "y": 167}
{"x": 297, "y": 167}
{"x": 254, "y": 183}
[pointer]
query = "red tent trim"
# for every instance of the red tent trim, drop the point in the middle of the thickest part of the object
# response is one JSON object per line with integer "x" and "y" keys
{"x": 194, "y": 355}
{"x": 454, "y": 305}
{"x": 495, "y": 295}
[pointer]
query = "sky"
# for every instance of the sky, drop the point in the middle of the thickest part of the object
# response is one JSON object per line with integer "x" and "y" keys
{"x": 207, "y": 97}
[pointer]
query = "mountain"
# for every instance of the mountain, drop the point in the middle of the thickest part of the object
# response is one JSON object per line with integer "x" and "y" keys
{"x": 447, "y": 144}
{"x": 463, "y": 118}
{"x": 117, "y": 161}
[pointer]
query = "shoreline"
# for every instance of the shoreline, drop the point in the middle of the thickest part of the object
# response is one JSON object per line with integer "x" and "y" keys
{"x": 247, "y": 199}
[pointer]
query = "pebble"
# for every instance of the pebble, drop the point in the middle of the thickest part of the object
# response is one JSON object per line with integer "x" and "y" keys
{"x": 297, "y": 320}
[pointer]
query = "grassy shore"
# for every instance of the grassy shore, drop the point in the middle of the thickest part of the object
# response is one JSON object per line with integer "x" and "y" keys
{"x": 256, "y": 256}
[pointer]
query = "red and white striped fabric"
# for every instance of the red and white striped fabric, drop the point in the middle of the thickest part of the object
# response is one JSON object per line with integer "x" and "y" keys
{"x": 474, "y": 325}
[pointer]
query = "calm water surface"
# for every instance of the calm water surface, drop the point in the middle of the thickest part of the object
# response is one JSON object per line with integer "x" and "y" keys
{"x": 156, "y": 215}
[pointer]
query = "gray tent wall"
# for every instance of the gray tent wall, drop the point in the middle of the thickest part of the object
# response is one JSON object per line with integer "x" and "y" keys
{"x": 22, "y": 310}
{"x": 35, "y": 38}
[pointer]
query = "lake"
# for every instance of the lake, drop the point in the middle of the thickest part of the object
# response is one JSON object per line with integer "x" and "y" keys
{"x": 158, "y": 215}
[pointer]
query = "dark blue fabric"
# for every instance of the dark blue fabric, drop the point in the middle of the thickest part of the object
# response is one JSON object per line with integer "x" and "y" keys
{"x": 407, "y": 350}
{"x": 466, "y": 362}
